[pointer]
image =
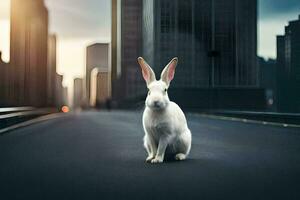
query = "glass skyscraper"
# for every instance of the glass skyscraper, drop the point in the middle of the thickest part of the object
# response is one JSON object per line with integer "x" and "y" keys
{"x": 215, "y": 40}
{"x": 288, "y": 68}
{"x": 129, "y": 84}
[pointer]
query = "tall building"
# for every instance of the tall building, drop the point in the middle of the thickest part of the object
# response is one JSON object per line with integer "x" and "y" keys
{"x": 97, "y": 57}
{"x": 115, "y": 37}
{"x": 288, "y": 68}
{"x": 51, "y": 70}
{"x": 55, "y": 88}
{"x": 61, "y": 93}
{"x": 129, "y": 47}
{"x": 100, "y": 89}
{"x": 267, "y": 81}
{"x": 28, "y": 53}
{"x": 215, "y": 41}
{"x": 103, "y": 85}
{"x": 65, "y": 97}
{"x": 78, "y": 93}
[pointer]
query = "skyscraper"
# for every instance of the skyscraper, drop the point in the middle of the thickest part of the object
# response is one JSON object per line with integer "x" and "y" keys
{"x": 51, "y": 70}
{"x": 215, "y": 40}
{"x": 97, "y": 56}
{"x": 288, "y": 68}
{"x": 28, "y": 53}
{"x": 103, "y": 87}
{"x": 78, "y": 93}
{"x": 115, "y": 37}
{"x": 129, "y": 84}
{"x": 61, "y": 93}
{"x": 267, "y": 81}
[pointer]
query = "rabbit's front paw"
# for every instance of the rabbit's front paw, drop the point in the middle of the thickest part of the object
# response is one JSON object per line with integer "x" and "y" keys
{"x": 149, "y": 158}
{"x": 180, "y": 156}
{"x": 157, "y": 160}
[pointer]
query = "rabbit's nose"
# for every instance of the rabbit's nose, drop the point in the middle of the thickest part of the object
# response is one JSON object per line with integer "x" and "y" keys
{"x": 156, "y": 103}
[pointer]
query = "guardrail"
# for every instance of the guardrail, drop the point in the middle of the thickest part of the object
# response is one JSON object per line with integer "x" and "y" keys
{"x": 13, "y": 115}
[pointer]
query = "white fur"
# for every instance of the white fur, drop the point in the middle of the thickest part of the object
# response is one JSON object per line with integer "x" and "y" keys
{"x": 164, "y": 122}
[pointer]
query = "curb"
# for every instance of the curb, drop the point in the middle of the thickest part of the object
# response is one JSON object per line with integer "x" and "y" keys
{"x": 30, "y": 122}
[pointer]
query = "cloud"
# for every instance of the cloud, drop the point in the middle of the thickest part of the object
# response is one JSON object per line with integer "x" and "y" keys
{"x": 274, "y": 15}
{"x": 77, "y": 18}
{"x": 270, "y": 8}
{"x": 268, "y": 29}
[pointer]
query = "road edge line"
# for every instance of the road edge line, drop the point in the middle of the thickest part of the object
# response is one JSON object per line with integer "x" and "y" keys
{"x": 211, "y": 116}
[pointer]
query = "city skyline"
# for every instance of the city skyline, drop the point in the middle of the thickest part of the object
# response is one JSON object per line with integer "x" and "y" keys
{"x": 30, "y": 77}
{"x": 93, "y": 26}
{"x": 152, "y": 74}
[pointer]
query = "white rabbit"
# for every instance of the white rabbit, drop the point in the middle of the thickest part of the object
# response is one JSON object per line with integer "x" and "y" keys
{"x": 164, "y": 122}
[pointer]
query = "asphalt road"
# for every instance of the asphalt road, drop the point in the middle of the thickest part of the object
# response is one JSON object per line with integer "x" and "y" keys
{"x": 99, "y": 155}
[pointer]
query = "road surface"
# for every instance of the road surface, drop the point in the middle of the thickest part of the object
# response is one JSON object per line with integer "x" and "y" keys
{"x": 99, "y": 155}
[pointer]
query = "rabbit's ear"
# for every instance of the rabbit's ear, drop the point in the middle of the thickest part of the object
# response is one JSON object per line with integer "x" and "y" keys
{"x": 167, "y": 74}
{"x": 147, "y": 72}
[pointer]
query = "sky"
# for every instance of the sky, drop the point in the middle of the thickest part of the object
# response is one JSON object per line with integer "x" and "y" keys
{"x": 78, "y": 23}
{"x": 4, "y": 29}
{"x": 273, "y": 15}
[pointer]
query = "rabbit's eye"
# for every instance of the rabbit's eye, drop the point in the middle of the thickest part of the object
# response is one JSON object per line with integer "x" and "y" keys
{"x": 149, "y": 92}
{"x": 166, "y": 90}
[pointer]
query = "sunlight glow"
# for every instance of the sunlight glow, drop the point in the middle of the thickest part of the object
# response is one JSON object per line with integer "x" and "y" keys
{"x": 4, "y": 38}
{"x": 71, "y": 57}
{"x": 5, "y": 29}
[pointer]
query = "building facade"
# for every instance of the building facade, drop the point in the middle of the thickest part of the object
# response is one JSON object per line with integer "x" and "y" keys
{"x": 100, "y": 89}
{"x": 78, "y": 93}
{"x": 28, "y": 53}
{"x": 129, "y": 83}
{"x": 61, "y": 93}
{"x": 30, "y": 79}
{"x": 267, "y": 81}
{"x": 51, "y": 70}
{"x": 103, "y": 85}
{"x": 97, "y": 59}
{"x": 288, "y": 68}
{"x": 215, "y": 41}
{"x": 115, "y": 38}
{"x": 97, "y": 56}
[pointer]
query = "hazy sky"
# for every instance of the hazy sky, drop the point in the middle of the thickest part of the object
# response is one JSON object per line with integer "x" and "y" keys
{"x": 4, "y": 29}
{"x": 78, "y": 23}
{"x": 273, "y": 16}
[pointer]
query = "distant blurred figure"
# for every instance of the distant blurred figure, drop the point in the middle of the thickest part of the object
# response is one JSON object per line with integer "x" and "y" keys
{"x": 108, "y": 104}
